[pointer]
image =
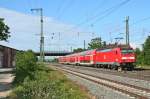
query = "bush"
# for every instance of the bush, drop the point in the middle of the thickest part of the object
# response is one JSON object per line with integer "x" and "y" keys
{"x": 36, "y": 81}
{"x": 52, "y": 85}
{"x": 25, "y": 66}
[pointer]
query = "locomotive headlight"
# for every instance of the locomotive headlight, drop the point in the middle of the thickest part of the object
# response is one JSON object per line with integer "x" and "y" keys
{"x": 128, "y": 58}
{"x": 124, "y": 58}
{"x": 131, "y": 57}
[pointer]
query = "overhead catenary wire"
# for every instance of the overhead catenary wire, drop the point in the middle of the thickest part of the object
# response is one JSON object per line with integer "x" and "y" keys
{"x": 137, "y": 22}
{"x": 100, "y": 14}
{"x": 60, "y": 5}
{"x": 133, "y": 24}
{"x": 115, "y": 8}
{"x": 97, "y": 8}
{"x": 64, "y": 9}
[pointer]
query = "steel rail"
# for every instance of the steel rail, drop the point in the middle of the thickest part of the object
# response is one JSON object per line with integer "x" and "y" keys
{"x": 138, "y": 92}
{"x": 113, "y": 72}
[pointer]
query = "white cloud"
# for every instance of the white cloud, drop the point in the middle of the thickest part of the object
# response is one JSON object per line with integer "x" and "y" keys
{"x": 23, "y": 28}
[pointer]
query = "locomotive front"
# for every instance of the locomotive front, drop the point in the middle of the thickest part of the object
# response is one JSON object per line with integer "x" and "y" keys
{"x": 128, "y": 58}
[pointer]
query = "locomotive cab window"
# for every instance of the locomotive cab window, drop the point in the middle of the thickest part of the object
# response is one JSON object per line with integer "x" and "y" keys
{"x": 126, "y": 51}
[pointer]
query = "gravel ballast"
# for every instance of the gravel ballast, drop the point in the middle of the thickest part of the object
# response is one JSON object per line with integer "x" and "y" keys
{"x": 132, "y": 81}
{"x": 97, "y": 90}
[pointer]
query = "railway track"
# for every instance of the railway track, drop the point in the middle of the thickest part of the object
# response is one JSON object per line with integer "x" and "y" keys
{"x": 142, "y": 75}
{"x": 133, "y": 91}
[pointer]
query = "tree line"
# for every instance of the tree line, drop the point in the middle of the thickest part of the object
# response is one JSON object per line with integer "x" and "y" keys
{"x": 143, "y": 55}
{"x": 95, "y": 43}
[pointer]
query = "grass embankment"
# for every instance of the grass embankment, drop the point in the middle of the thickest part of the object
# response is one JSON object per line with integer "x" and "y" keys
{"x": 143, "y": 66}
{"x": 35, "y": 81}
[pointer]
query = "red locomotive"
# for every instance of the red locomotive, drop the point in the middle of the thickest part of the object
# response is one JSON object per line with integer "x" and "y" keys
{"x": 113, "y": 58}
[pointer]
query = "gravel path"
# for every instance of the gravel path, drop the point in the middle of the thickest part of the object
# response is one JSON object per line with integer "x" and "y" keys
{"x": 5, "y": 82}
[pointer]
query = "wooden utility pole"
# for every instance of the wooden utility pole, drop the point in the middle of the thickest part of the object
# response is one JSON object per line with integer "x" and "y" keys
{"x": 127, "y": 31}
{"x": 42, "y": 35}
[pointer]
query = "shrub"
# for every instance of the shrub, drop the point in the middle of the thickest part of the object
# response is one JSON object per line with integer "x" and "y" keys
{"x": 25, "y": 66}
{"x": 36, "y": 81}
{"x": 52, "y": 85}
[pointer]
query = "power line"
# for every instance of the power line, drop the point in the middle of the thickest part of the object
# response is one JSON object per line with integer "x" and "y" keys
{"x": 133, "y": 24}
{"x": 144, "y": 19}
{"x": 107, "y": 11}
{"x": 139, "y": 21}
{"x": 102, "y": 3}
{"x": 96, "y": 9}
{"x": 110, "y": 11}
{"x": 65, "y": 7}
{"x": 61, "y": 8}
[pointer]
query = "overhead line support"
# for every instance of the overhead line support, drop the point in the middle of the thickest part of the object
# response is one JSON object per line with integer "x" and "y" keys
{"x": 127, "y": 31}
{"x": 41, "y": 34}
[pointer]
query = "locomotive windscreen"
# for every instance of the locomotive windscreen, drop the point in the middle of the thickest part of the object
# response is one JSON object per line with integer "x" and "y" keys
{"x": 125, "y": 51}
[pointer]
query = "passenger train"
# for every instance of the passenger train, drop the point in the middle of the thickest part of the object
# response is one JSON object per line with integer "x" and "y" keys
{"x": 112, "y": 58}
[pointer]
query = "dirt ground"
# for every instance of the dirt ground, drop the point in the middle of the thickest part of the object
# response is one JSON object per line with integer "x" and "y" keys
{"x": 6, "y": 79}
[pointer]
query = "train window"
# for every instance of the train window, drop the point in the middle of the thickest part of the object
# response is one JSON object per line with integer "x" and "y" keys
{"x": 116, "y": 52}
{"x": 105, "y": 50}
{"x": 127, "y": 51}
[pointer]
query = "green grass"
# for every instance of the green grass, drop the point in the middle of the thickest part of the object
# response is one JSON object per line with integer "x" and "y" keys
{"x": 48, "y": 84}
{"x": 143, "y": 66}
{"x": 36, "y": 81}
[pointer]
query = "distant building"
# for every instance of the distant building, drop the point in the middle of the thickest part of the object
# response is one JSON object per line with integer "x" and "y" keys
{"x": 7, "y": 56}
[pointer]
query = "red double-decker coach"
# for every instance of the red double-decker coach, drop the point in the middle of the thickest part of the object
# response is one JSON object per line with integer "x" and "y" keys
{"x": 113, "y": 58}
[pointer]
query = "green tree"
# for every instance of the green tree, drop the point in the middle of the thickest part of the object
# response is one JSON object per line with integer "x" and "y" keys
{"x": 137, "y": 51}
{"x": 146, "y": 50}
{"x": 4, "y": 31}
{"x": 139, "y": 56}
{"x": 78, "y": 50}
{"x": 95, "y": 43}
{"x": 104, "y": 44}
{"x": 25, "y": 66}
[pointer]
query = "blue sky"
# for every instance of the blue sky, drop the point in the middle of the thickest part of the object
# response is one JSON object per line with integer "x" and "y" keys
{"x": 62, "y": 15}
